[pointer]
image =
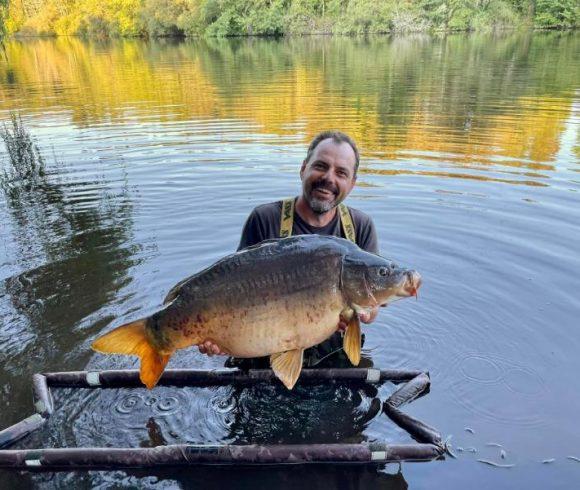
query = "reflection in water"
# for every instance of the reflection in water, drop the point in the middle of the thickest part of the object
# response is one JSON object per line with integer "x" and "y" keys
{"x": 429, "y": 97}
{"x": 71, "y": 239}
{"x": 316, "y": 477}
{"x": 458, "y": 175}
{"x": 269, "y": 414}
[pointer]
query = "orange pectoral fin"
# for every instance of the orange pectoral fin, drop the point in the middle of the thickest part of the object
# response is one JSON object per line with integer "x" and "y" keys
{"x": 352, "y": 340}
{"x": 132, "y": 339}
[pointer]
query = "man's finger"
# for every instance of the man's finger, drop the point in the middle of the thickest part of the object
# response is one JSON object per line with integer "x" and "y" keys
{"x": 208, "y": 348}
{"x": 369, "y": 316}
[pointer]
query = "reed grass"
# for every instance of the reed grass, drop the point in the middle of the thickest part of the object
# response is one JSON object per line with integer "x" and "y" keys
{"x": 25, "y": 162}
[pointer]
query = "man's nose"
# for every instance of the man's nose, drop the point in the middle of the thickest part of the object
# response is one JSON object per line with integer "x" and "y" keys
{"x": 331, "y": 176}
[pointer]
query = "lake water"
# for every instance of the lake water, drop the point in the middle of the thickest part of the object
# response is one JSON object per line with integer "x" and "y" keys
{"x": 158, "y": 150}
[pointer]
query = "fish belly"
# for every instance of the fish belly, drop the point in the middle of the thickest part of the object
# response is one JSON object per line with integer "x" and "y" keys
{"x": 280, "y": 325}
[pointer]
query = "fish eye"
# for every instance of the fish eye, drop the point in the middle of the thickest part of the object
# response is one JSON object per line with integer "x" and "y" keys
{"x": 383, "y": 271}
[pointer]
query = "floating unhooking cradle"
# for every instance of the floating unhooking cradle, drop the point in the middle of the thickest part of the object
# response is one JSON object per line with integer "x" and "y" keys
{"x": 414, "y": 384}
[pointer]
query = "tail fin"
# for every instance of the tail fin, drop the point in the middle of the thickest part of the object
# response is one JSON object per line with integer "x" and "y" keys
{"x": 133, "y": 339}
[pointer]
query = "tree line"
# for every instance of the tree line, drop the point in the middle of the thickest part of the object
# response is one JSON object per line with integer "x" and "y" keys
{"x": 221, "y": 18}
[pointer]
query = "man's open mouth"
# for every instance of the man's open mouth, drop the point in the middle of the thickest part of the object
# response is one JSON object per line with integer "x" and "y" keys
{"x": 325, "y": 192}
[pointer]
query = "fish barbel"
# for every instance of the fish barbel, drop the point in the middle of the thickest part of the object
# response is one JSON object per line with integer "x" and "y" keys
{"x": 276, "y": 298}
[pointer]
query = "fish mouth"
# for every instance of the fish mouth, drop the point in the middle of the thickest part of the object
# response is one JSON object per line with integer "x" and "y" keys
{"x": 412, "y": 283}
{"x": 408, "y": 286}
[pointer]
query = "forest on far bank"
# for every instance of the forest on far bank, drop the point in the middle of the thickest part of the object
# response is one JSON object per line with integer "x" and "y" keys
{"x": 220, "y": 18}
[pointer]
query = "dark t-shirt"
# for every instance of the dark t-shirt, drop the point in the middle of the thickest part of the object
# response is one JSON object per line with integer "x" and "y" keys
{"x": 264, "y": 224}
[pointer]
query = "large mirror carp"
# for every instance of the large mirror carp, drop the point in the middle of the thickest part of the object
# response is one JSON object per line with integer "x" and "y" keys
{"x": 276, "y": 298}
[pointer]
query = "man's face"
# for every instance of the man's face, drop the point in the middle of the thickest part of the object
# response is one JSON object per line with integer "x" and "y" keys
{"x": 328, "y": 177}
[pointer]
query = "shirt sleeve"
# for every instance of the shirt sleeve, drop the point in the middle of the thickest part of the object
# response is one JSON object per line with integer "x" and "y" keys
{"x": 253, "y": 231}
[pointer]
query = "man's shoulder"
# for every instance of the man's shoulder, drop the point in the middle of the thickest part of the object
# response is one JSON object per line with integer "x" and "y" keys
{"x": 366, "y": 235}
{"x": 268, "y": 210}
{"x": 359, "y": 216}
{"x": 262, "y": 223}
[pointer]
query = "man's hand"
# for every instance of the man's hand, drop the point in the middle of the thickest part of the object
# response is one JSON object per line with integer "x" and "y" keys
{"x": 341, "y": 327}
{"x": 364, "y": 316}
{"x": 211, "y": 349}
{"x": 370, "y": 316}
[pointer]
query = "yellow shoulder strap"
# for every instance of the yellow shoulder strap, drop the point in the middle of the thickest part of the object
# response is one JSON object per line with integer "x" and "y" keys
{"x": 346, "y": 222}
{"x": 287, "y": 217}
{"x": 287, "y": 220}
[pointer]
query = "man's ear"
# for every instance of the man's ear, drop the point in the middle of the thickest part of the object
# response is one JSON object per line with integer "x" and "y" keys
{"x": 304, "y": 163}
{"x": 352, "y": 184}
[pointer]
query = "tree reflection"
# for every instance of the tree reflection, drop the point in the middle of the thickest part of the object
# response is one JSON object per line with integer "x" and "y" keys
{"x": 471, "y": 96}
{"x": 72, "y": 240}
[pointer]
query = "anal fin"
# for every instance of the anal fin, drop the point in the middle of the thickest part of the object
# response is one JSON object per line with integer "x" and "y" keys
{"x": 287, "y": 366}
{"x": 352, "y": 340}
{"x": 152, "y": 366}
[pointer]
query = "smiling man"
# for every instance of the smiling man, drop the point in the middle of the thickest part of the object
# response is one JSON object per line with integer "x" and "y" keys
{"x": 328, "y": 175}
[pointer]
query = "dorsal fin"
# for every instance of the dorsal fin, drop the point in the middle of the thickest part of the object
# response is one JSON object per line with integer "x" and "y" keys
{"x": 174, "y": 291}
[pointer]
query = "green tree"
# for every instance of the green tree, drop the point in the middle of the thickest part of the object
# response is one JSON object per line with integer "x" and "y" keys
{"x": 221, "y": 18}
{"x": 557, "y": 13}
{"x": 162, "y": 17}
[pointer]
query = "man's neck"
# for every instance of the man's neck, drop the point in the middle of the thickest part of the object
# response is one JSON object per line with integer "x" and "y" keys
{"x": 312, "y": 218}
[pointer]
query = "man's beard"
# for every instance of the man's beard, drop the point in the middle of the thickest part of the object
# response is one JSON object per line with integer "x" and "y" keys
{"x": 321, "y": 206}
